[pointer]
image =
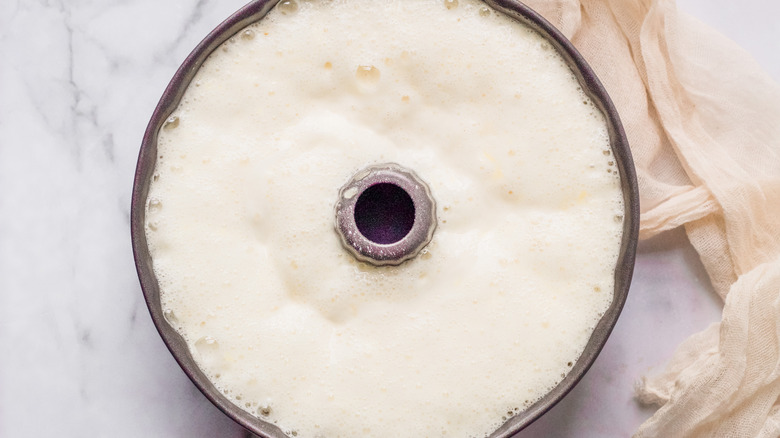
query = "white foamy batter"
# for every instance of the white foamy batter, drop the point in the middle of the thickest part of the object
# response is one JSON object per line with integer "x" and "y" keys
{"x": 289, "y": 325}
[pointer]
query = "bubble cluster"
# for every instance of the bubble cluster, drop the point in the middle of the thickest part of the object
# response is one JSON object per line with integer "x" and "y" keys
{"x": 170, "y": 317}
{"x": 154, "y": 205}
{"x": 206, "y": 345}
{"x": 264, "y": 410}
{"x": 288, "y": 7}
{"x": 367, "y": 74}
{"x": 171, "y": 122}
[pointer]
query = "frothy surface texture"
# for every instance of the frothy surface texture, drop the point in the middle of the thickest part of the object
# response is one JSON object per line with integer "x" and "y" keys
{"x": 495, "y": 310}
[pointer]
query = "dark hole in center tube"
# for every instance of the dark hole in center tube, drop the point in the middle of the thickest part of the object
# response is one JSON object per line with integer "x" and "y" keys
{"x": 384, "y": 213}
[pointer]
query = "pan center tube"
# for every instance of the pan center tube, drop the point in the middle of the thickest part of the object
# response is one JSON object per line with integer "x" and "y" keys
{"x": 385, "y": 214}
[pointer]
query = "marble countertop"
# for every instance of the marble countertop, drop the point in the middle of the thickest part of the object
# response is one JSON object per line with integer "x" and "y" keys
{"x": 79, "y": 355}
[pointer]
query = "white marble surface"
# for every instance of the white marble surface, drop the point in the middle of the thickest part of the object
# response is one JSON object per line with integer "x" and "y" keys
{"x": 79, "y": 355}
